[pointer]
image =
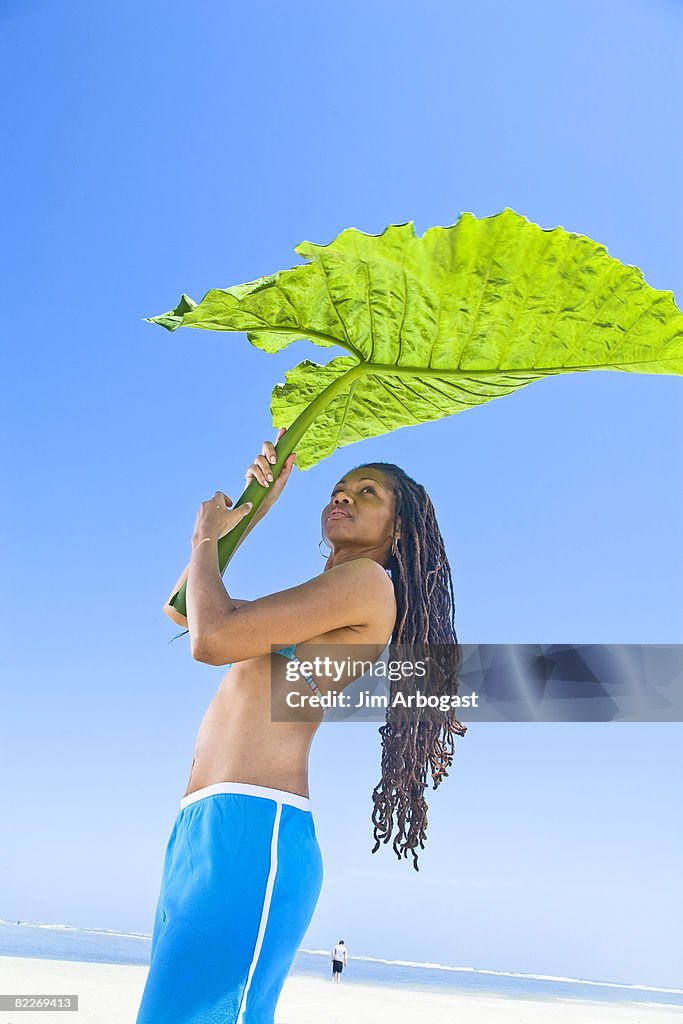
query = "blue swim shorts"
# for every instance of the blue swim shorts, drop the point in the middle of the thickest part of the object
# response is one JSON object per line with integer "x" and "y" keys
{"x": 241, "y": 878}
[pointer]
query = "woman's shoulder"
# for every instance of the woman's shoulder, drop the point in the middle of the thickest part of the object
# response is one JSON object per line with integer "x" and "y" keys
{"x": 365, "y": 567}
{"x": 361, "y": 575}
{"x": 368, "y": 578}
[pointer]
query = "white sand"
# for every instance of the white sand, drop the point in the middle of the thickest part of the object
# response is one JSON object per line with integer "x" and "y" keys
{"x": 111, "y": 993}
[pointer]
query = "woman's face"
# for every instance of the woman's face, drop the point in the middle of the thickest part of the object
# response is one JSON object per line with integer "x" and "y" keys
{"x": 359, "y": 516}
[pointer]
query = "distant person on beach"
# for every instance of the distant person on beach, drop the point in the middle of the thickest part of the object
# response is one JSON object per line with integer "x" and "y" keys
{"x": 242, "y": 870}
{"x": 339, "y": 960}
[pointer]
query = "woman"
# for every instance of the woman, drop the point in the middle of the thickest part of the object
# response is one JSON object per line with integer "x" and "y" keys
{"x": 243, "y": 870}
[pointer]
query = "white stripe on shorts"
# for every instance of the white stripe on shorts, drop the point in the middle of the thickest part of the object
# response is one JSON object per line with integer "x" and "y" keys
{"x": 266, "y": 910}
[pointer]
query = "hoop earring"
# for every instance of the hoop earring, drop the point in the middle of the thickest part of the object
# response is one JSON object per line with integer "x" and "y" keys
{"x": 323, "y": 541}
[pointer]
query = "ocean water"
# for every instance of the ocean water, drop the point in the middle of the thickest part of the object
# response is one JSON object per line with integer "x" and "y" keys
{"x": 65, "y": 942}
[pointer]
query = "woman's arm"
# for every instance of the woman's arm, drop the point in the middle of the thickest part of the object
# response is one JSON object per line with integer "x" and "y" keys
{"x": 175, "y": 616}
{"x": 258, "y": 470}
{"x": 350, "y": 594}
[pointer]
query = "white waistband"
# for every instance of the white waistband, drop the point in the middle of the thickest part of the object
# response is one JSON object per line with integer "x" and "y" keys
{"x": 279, "y": 795}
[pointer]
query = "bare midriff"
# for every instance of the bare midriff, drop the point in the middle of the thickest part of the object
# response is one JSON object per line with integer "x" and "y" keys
{"x": 238, "y": 742}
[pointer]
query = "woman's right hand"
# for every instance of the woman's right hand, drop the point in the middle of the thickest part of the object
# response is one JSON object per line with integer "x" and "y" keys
{"x": 260, "y": 469}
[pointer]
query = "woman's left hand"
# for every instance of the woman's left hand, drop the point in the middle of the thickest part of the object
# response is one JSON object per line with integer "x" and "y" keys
{"x": 215, "y": 518}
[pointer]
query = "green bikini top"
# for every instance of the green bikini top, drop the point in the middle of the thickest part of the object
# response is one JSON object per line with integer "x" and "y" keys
{"x": 289, "y": 654}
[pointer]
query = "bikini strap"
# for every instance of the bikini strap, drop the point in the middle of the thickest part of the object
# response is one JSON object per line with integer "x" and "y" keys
{"x": 309, "y": 679}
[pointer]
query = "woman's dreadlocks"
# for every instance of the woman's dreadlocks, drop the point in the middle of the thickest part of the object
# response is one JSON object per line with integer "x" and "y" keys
{"x": 411, "y": 743}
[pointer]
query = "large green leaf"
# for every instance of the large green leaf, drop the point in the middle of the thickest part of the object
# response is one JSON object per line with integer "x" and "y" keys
{"x": 437, "y": 324}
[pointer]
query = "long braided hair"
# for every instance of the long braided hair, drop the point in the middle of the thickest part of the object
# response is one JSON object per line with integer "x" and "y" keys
{"x": 412, "y": 744}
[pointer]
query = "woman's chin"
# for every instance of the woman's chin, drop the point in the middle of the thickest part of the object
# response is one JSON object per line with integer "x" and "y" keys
{"x": 337, "y": 520}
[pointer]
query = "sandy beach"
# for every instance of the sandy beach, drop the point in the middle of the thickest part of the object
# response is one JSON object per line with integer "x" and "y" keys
{"x": 110, "y": 994}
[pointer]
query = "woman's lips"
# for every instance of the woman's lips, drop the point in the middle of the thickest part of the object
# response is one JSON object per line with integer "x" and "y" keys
{"x": 338, "y": 515}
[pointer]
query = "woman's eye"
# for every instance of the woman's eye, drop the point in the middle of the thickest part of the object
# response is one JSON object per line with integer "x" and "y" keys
{"x": 366, "y": 488}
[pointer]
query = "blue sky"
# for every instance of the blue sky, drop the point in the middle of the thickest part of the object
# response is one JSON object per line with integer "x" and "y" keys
{"x": 154, "y": 149}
